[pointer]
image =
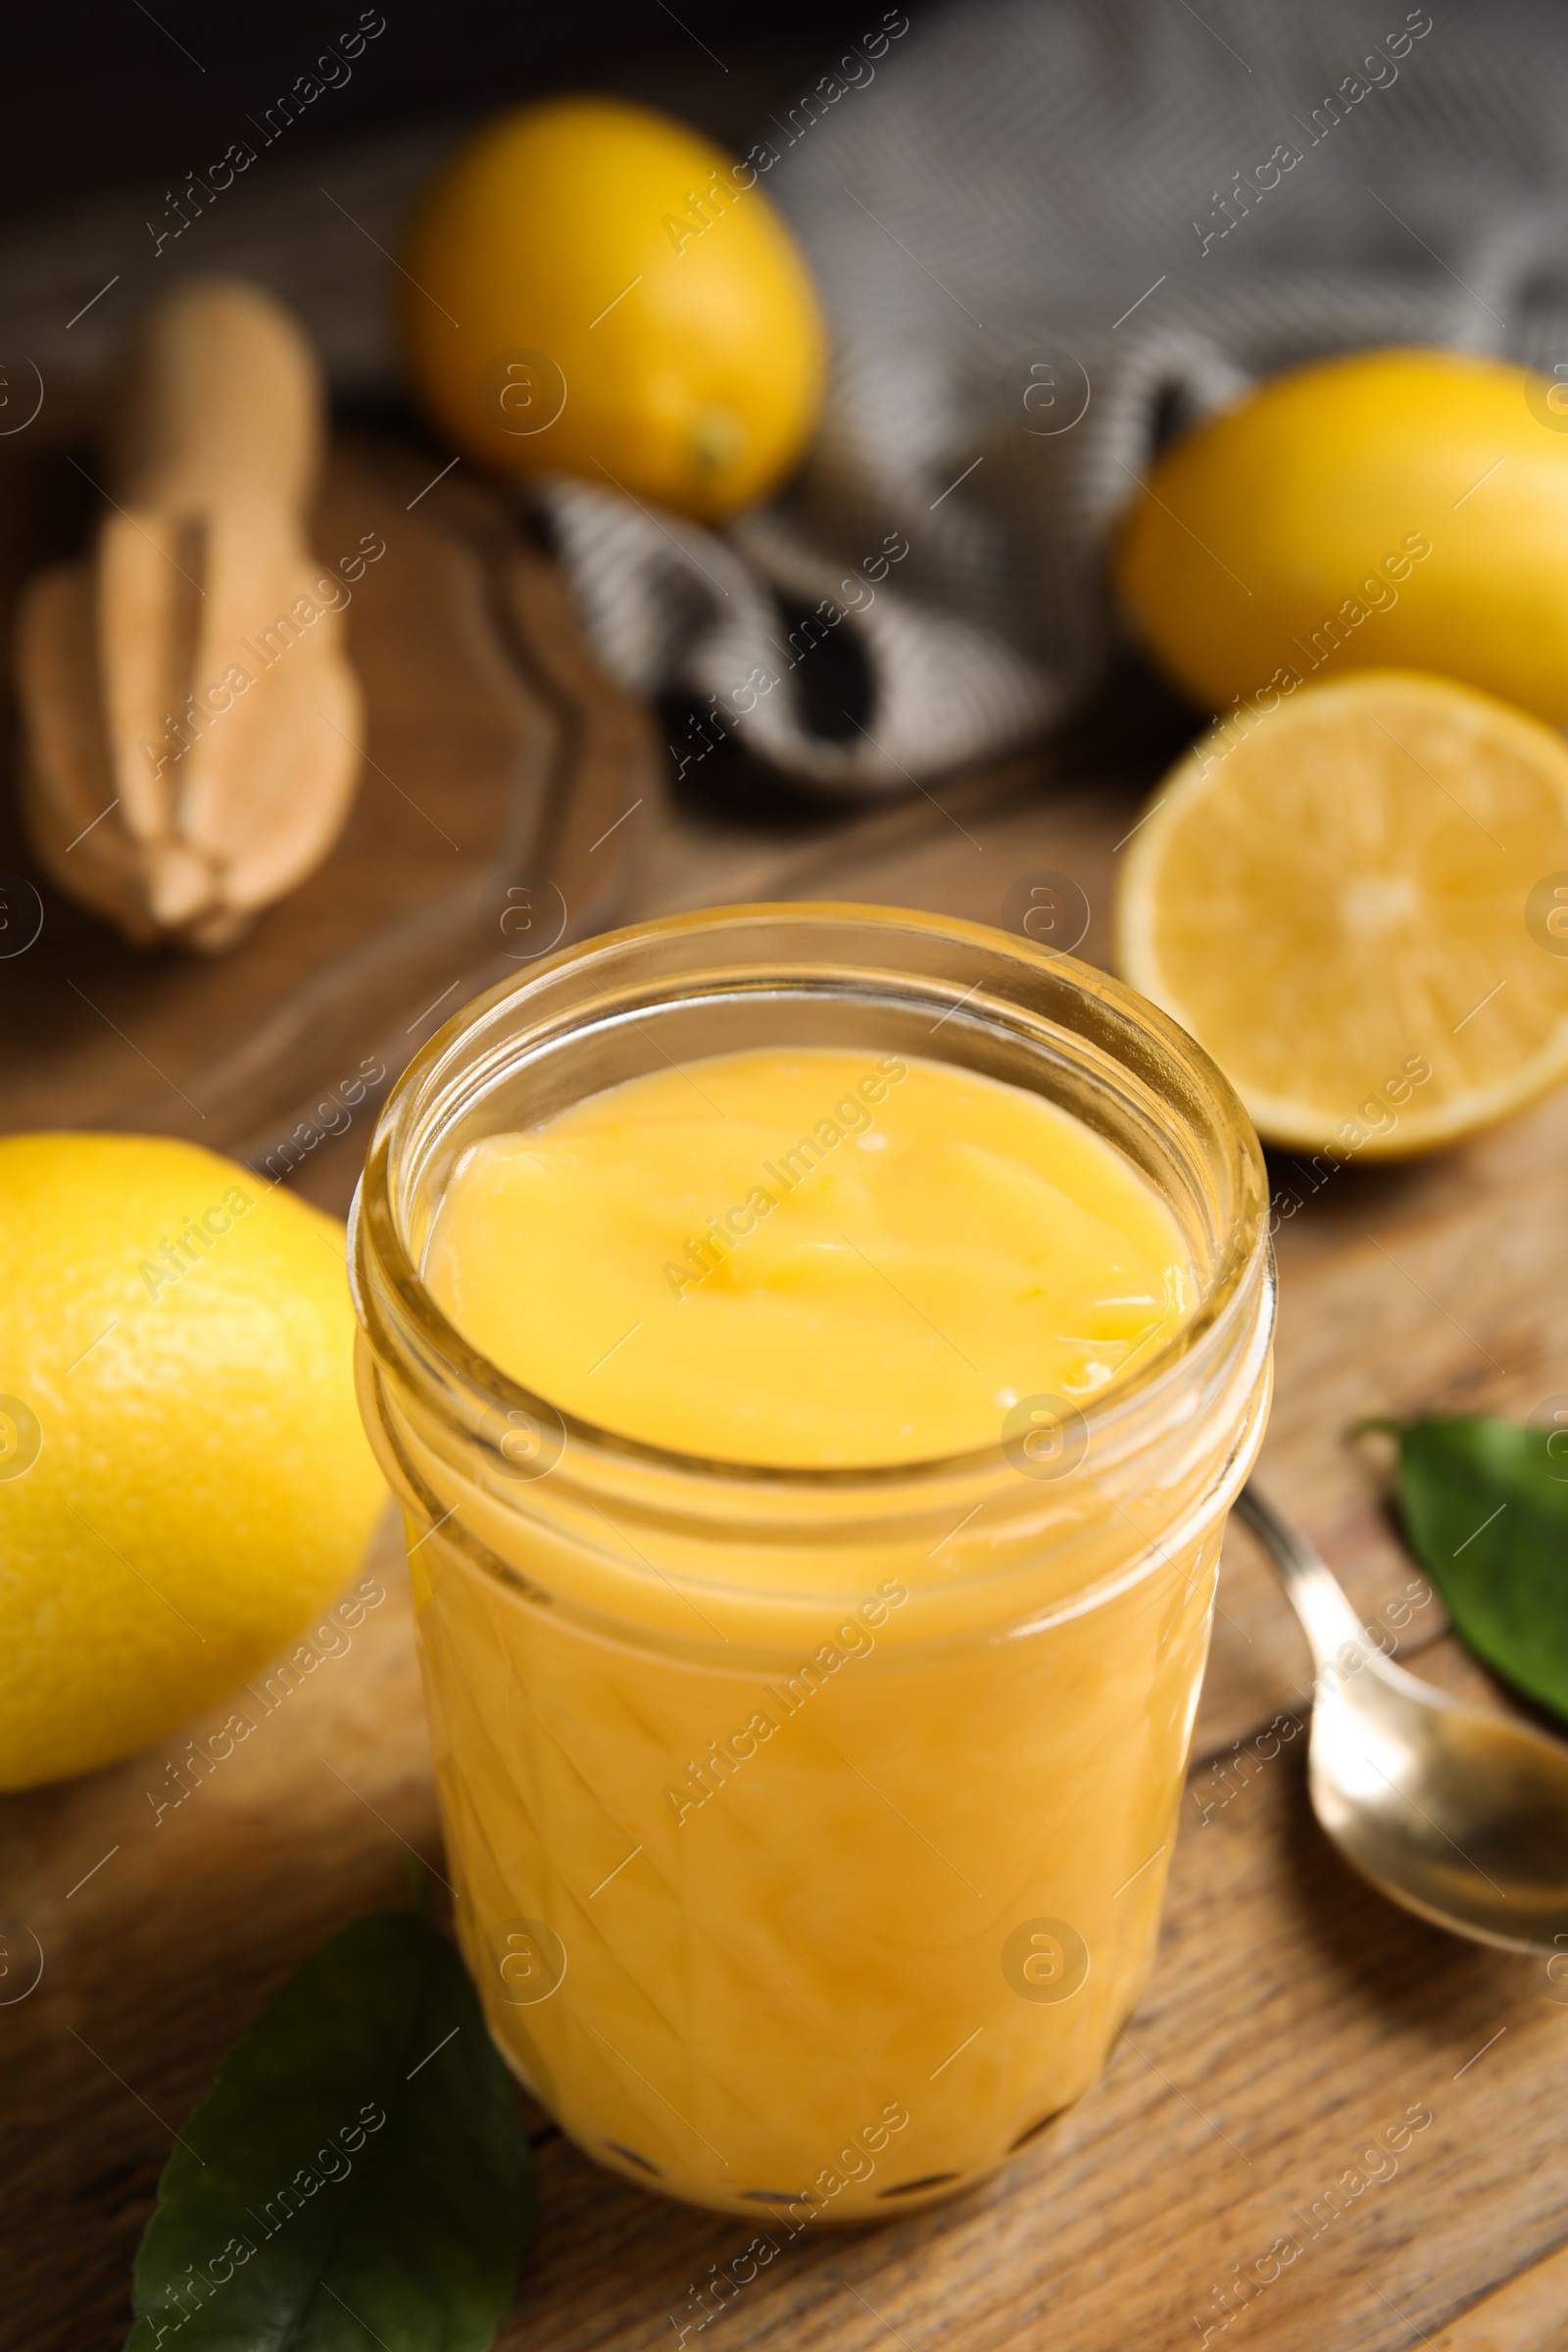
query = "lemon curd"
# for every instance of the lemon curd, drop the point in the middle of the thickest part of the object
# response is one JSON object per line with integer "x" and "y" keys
{"x": 814, "y": 1257}
{"x": 814, "y": 1454}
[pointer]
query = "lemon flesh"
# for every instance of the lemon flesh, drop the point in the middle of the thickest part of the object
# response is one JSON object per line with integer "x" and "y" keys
{"x": 183, "y": 1478}
{"x": 1359, "y": 907}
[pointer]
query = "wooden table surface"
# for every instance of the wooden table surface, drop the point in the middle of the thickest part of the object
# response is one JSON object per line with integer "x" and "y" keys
{"x": 1292, "y": 2019}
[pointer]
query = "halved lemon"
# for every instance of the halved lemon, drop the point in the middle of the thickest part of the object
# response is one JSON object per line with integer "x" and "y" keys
{"x": 1357, "y": 903}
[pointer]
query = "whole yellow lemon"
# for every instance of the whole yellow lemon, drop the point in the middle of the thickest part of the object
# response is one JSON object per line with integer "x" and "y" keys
{"x": 183, "y": 1479}
{"x": 1389, "y": 510}
{"x": 593, "y": 289}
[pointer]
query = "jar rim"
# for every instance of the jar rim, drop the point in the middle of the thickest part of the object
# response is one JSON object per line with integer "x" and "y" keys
{"x": 429, "y": 1338}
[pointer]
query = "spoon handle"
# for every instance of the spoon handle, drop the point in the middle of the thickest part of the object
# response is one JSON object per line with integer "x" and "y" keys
{"x": 1314, "y": 1591}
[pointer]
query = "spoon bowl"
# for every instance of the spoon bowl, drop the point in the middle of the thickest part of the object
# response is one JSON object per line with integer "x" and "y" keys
{"x": 1460, "y": 1815}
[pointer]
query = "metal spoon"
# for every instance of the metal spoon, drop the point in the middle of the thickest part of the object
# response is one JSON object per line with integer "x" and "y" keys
{"x": 1460, "y": 1816}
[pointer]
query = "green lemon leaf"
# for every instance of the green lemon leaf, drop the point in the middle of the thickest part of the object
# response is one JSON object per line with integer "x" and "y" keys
{"x": 359, "y": 2174}
{"x": 1486, "y": 1506}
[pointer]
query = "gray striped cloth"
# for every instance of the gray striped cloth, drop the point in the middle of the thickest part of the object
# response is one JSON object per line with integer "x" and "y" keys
{"x": 1047, "y": 233}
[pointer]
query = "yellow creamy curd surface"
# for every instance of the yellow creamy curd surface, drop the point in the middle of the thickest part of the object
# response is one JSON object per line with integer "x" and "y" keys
{"x": 808, "y": 1856}
{"x": 807, "y": 1257}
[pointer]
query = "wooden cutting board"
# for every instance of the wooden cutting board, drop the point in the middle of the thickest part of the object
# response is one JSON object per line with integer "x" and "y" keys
{"x": 1294, "y": 2018}
{"x": 495, "y": 761}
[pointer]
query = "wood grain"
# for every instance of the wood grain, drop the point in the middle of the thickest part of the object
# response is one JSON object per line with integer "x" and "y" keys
{"x": 1528, "y": 2315}
{"x": 480, "y": 767}
{"x": 1294, "y": 2018}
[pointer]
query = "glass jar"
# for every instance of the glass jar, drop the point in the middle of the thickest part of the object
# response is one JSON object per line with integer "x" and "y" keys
{"x": 809, "y": 1828}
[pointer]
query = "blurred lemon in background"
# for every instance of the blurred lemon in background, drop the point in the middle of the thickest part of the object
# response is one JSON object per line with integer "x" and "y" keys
{"x": 599, "y": 291}
{"x": 1358, "y": 905}
{"x": 1393, "y": 508}
{"x": 183, "y": 1478}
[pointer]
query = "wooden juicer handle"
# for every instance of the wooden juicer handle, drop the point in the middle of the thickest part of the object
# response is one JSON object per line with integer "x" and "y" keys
{"x": 192, "y": 723}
